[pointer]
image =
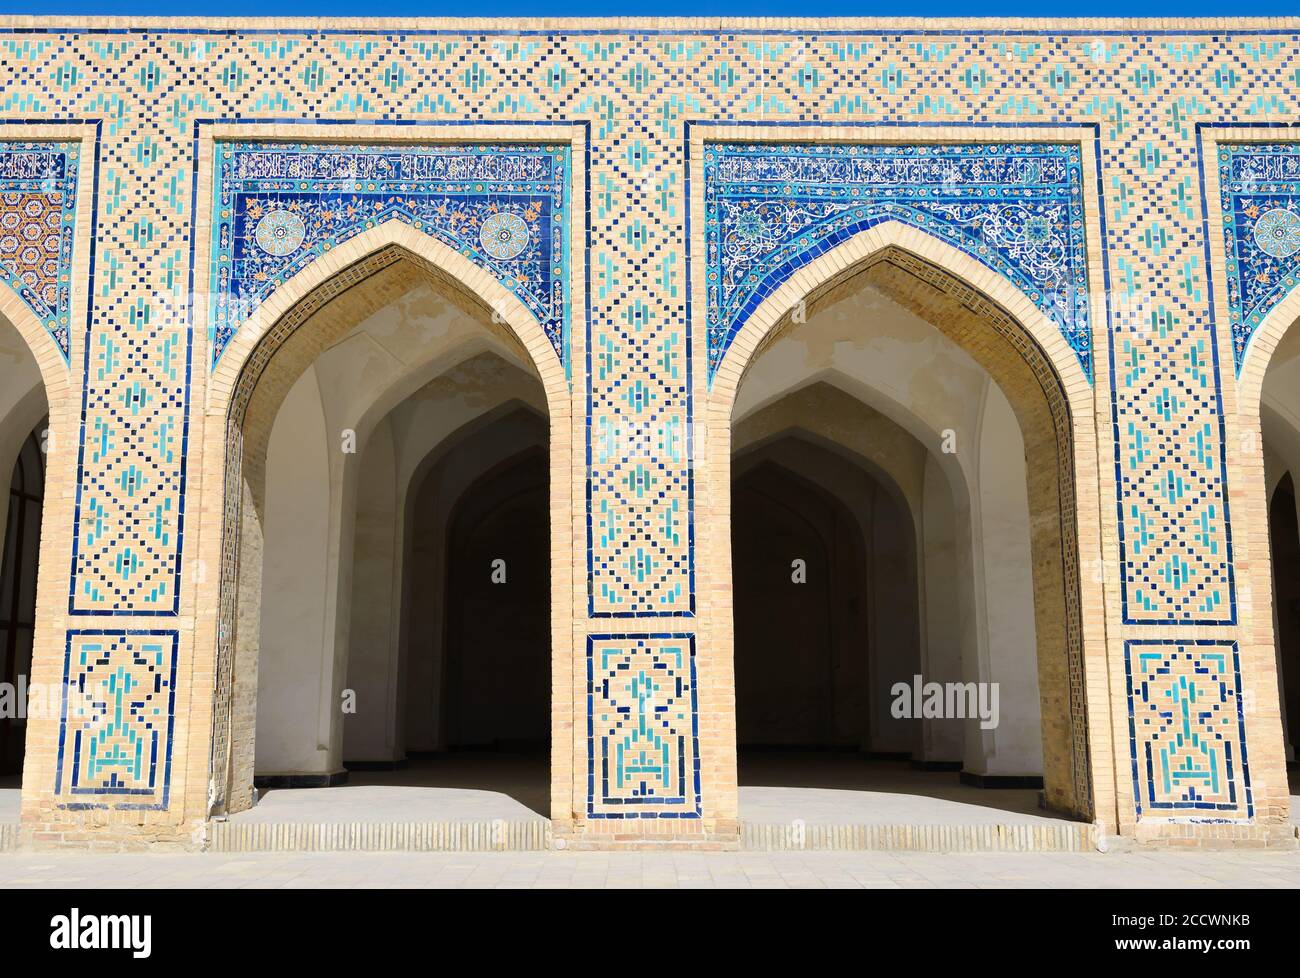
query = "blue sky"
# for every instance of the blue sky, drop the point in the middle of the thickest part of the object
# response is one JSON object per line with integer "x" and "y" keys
{"x": 711, "y": 8}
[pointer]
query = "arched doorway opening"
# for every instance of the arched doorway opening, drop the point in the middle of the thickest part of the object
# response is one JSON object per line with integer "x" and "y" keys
{"x": 23, "y": 442}
{"x": 353, "y": 433}
{"x": 475, "y": 692}
{"x": 797, "y": 645}
{"x": 22, "y": 546}
{"x": 825, "y": 598}
{"x": 495, "y": 687}
{"x": 928, "y": 387}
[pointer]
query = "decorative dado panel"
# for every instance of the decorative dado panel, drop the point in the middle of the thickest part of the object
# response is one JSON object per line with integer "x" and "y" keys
{"x": 643, "y": 754}
{"x": 278, "y": 207}
{"x": 770, "y": 209}
{"x": 115, "y": 731}
{"x": 38, "y": 208}
{"x": 1188, "y": 737}
{"x": 1259, "y": 188}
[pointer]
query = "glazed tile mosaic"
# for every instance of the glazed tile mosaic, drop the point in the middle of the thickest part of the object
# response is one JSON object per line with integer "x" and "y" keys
{"x": 115, "y": 734}
{"x": 1017, "y": 209}
{"x": 38, "y": 208}
{"x": 638, "y": 297}
{"x": 278, "y": 207}
{"x": 1131, "y": 285}
{"x": 1188, "y": 742}
{"x": 642, "y": 730}
{"x": 1260, "y": 189}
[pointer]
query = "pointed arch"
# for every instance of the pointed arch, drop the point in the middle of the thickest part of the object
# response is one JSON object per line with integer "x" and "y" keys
{"x": 1259, "y": 352}
{"x": 274, "y": 346}
{"x": 1024, "y": 352}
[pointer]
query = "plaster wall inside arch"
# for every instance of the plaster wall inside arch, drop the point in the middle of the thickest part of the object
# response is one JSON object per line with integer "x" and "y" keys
{"x": 292, "y": 670}
{"x": 1014, "y": 746}
{"x": 947, "y": 602}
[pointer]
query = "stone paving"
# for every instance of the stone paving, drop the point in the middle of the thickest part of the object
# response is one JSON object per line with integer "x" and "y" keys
{"x": 384, "y": 803}
{"x": 10, "y": 803}
{"x": 656, "y": 869}
{"x": 775, "y": 787}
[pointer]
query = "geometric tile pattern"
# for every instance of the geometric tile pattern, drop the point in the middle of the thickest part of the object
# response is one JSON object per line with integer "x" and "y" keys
{"x": 1187, "y": 734}
{"x": 642, "y": 730}
{"x": 770, "y": 209}
{"x": 1260, "y": 195}
{"x": 279, "y": 206}
{"x": 1143, "y": 92}
{"x": 115, "y": 732}
{"x": 38, "y": 207}
{"x": 127, "y": 532}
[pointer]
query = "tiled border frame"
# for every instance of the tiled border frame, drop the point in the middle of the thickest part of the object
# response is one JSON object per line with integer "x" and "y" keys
{"x": 1097, "y": 540}
{"x": 1244, "y": 450}
{"x": 210, "y": 407}
{"x": 745, "y": 26}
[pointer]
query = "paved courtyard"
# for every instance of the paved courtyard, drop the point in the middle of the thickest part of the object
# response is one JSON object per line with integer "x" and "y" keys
{"x": 775, "y": 787}
{"x": 650, "y": 869}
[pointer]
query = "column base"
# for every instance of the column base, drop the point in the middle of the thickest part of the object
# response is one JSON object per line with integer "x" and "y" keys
{"x": 268, "y": 781}
{"x": 1016, "y": 781}
{"x": 950, "y": 766}
{"x": 401, "y": 764}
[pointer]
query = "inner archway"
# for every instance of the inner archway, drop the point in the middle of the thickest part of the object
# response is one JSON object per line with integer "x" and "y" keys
{"x": 341, "y": 420}
{"x": 495, "y": 688}
{"x": 901, "y": 366}
{"x": 800, "y": 651}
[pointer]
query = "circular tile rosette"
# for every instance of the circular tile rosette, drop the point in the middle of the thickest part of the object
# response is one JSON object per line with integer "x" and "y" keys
{"x": 503, "y": 236}
{"x": 1277, "y": 233}
{"x": 280, "y": 233}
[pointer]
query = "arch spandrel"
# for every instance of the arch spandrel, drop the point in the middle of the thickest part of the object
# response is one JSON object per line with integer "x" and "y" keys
{"x": 1017, "y": 209}
{"x": 38, "y": 208}
{"x": 1259, "y": 191}
{"x": 279, "y": 207}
